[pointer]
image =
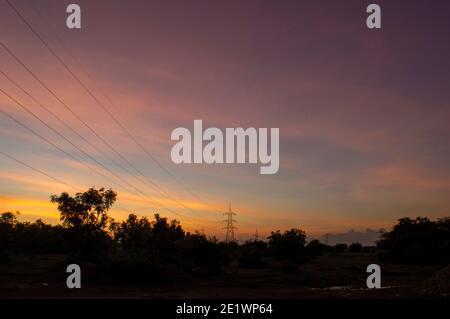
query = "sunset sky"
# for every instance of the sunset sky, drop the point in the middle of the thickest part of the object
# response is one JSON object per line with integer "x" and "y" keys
{"x": 363, "y": 114}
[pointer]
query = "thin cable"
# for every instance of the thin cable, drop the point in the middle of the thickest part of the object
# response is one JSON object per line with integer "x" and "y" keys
{"x": 127, "y": 132}
{"x": 76, "y": 115}
{"x": 41, "y": 172}
{"x": 49, "y": 176}
{"x": 67, "y": 126}
{"x": 153, "y": 201}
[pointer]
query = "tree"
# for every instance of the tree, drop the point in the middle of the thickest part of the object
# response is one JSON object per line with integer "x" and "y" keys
{"x": 199, "y": 253}
{"x": 340, "y": 248}
{"x": 9, "y": 218}
{"x": 86, "y": 209}
{"x": 8, "y": 221}
{"x": 316, "y": 248}
{"x": 289, "y": 245}
{"x": 417, "y": 241}
{"x": 151, "y": 239}
{"x": 355, "y": 248}
{"x": 85, "y": 219}
{"x": 171, "y": 231}
{"x": 133, "y": 233}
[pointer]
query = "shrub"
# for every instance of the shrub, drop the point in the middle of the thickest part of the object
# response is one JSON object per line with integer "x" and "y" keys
{"x": 199, "y": 252}
{"x": 316, "y": 248}
{"x": 355, "y": 248}
{"x": 340, "y": 248}
{"x": 290, "y": 245}
{"x": 417, "y": 241}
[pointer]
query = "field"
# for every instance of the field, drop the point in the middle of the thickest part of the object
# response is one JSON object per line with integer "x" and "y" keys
{"x": 331, "y": 276}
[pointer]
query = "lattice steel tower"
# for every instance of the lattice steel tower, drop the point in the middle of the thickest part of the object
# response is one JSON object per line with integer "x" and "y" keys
{"x": 327, "y": 238}
{"x": 229, "y": 225}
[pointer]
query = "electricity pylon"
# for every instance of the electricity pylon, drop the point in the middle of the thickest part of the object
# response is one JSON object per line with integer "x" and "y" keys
{"x": 229, "y": 226}
{"x": 327, "y": 238}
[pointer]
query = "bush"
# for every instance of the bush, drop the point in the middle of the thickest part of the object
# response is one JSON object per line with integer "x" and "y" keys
{"x": 199, "y": 252}
{"x": 289, "y": 246}
{"x": 417, "y": 241}
{"x": 7, "y": 225}
{"x": 316, "y": 248}
{"x": 340, "y": 248}
{"x": 87, "y": 244}
{"x": 36, "y": 237}
{"x": 355, "y": 248}
{"x": 159, "y": 241}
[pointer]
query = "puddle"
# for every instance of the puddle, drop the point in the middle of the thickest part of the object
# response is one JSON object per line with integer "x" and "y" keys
{"x": 351, "y": 288}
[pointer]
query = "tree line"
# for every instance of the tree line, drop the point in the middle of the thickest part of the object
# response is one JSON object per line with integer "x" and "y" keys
{"x": 137, "y": 246}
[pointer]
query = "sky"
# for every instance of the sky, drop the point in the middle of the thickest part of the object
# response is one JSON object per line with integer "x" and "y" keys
{"x": 363, "y": 114}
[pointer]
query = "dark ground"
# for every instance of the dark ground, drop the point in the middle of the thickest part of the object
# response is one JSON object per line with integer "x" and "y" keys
{"x": 332, "y": 276}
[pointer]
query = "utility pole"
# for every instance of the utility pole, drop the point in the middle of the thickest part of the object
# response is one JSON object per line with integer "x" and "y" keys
{"x": 229, "y": 226}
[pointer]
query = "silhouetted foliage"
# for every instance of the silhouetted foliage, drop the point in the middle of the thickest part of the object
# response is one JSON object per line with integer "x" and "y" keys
{"x": 419, "y": 241}
{"x": 8, "y": 218}
{"x": 36, "y": 237}
{"x": 316, "y": 248}
{"x": 165, "y": 243}
{"x": 133, "y": 234}
{"x": 141, "y": 250}
{"x": 88, "y": 209}
{"x": 86, "y": 219}
{"x": 355, "y": 248}
{"x": 157, "y": 240}
{"x": 203, "y": 255}
{"x": 252, "y": 254}
{"x": 7, "y": 223}
{"x": 290, "y": 245}
{"x": 257, "y": 244}
{"x": 340, "y": 248}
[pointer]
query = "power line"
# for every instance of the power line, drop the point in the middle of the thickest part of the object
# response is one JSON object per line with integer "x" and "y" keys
{"x": 41, "y": 172}
{"x": 118, "y": 123}
{"x": 74, "y": 113}
{"x": 66, "y": 125}
{"x": 50, "y": 176}
{"x": 153, "y": 201}
{"x": 63, "y": 122}
{"x": 140, "y": 194}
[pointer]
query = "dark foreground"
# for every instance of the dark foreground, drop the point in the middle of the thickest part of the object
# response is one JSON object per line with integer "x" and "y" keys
{"x": 332, "y": 276}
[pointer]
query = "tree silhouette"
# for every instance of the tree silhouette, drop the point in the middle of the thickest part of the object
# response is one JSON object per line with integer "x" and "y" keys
{"x": 133, "y": 233}
{"x": 419, "y": 241}
{"x": 85, "y": 209}
{"x": 8, "y": 218}
{"x": 355, "y": 248}
{"x": 316, "y": 248}
{"x": 340, "y": 248}
{"x": 290, "y": 245}
{"x": 85, "y": 218}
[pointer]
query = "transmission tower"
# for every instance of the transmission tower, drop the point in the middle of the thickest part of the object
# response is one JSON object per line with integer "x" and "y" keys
{"x": 256, "y": 235}
{"x": 327, "y": 238}
{"x": 229, "y": 225}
